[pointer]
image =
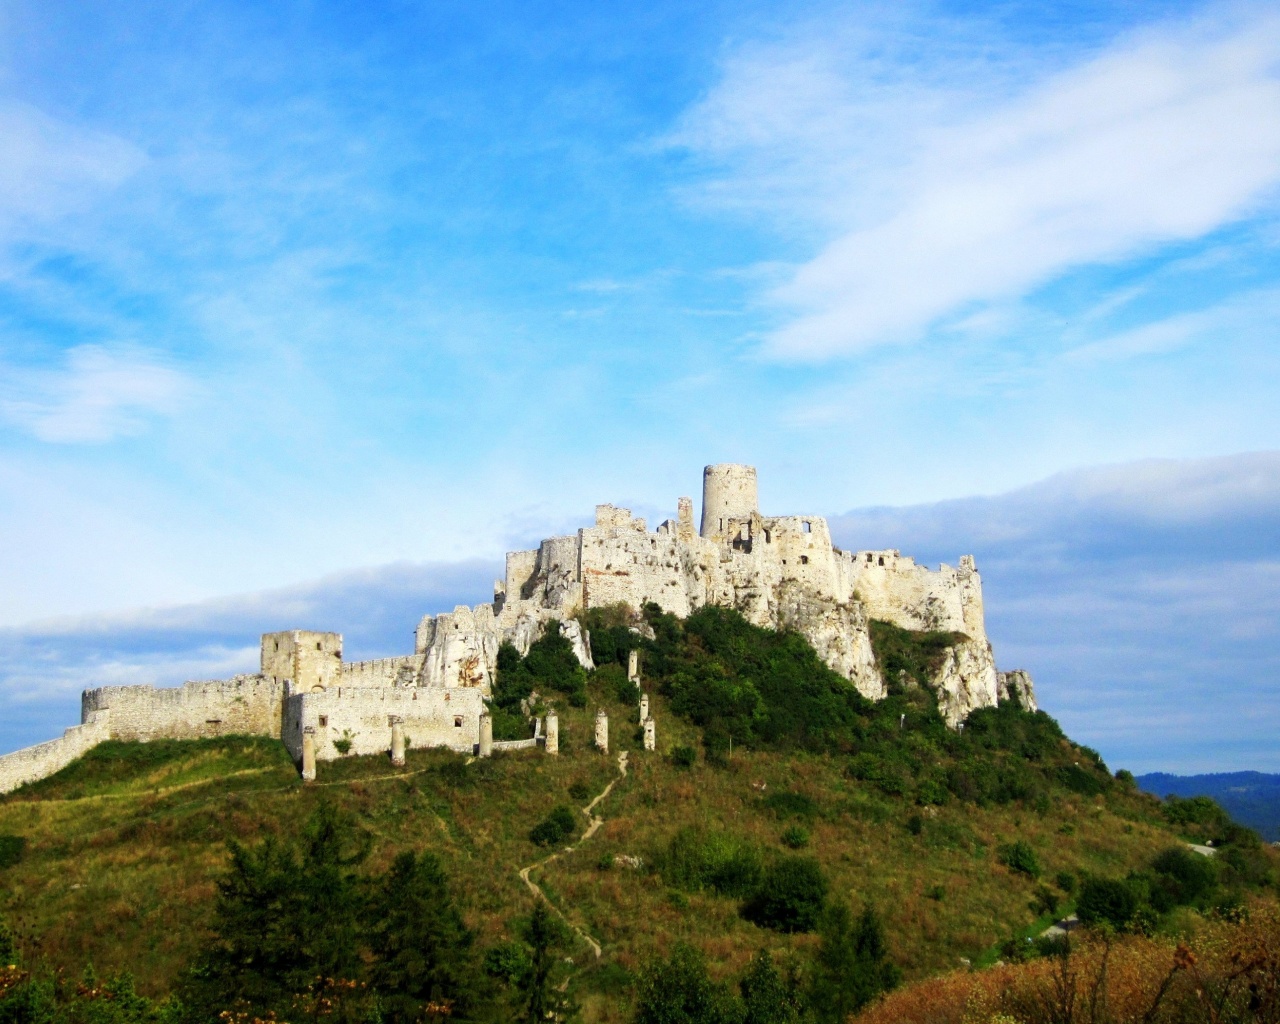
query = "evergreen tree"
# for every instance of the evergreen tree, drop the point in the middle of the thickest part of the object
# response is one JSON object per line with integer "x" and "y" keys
{"x": 540, "y": 990}
{"x": 852, "y": 966}
{"x": 284, "y": 921}
{"x": 423, "y": 952}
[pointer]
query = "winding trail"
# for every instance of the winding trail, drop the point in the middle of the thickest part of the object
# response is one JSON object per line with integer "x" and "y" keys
{"x": 594, "y": 827}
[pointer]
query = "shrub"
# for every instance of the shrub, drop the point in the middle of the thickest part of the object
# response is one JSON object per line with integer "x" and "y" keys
{"x": 915, "y": 824}
{"x": 696, "y": 860}
{"x": 1107, "y": 900}
{"x": 679, "y": 990}
{"x": 795, "y": 837}
{"x": 1065, "y": 881}
{"x": 1045, "y": 901}
{"x": 343, "y": 744}
{"x": 11, "y": 850}
{"x": 791, "y": 805}
{"x": 1182, "y": 877}
{"x": 684, "y": 757}
{"x": 555, "y": 828}
{"x": 1019, "y": 856}
{"x": 791, "y": 896}
{"x": 579, "y": 790}
{"x": 507, "y": 961}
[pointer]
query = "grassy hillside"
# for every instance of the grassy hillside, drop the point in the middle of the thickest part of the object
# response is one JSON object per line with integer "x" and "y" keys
{"x": 120, "y": 851}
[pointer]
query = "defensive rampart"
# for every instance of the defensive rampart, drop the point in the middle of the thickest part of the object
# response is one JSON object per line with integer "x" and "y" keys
{"x": 42, "y": 760}
{"x": 242, "y": 705}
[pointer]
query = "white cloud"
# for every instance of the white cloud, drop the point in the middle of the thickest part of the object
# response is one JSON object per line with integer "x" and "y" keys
{"x": 935, "y": 197}
{"x": 101, "y": 394}
{"x": 49, "y": 167}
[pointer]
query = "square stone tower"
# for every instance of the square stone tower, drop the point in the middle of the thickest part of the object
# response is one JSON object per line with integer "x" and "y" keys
{"x": 311, "y": 661}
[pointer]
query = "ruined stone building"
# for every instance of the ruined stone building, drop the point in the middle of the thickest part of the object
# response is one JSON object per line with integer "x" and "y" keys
{"x": 778, "y": 571}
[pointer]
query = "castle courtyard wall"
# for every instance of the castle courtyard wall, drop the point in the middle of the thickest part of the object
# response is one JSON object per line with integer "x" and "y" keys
{"x": 430, "y": 717}
{"x": 245, "y": 705}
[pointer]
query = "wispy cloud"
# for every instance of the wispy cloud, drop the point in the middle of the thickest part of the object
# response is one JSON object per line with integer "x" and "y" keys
{"x": 49, "y": 167}
{"x": 934, "y": 195}
{"x": 99, "y": 395}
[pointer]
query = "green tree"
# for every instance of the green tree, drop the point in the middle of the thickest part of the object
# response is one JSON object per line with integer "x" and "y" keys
{"x": 547, "y": 939}
{"x": 852, "y": 964}
{"x": 284, "y": 917}
{"x": 423, "y": 953}
{"x": 767, "y": 996}
{"x": 1108, "y": 900}
{"x": 791, "y": 896}
{"x": 678, "y": 990}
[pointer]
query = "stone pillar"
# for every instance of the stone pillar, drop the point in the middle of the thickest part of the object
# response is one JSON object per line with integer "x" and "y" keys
{"x": 644, "y": 707}
{"x": 633, "y": 666}
{"x": 486, "y": 735}
{"x": 602, "y": 731}
{"x": 308, "y": 754}
{"x": 552, "y": 733}
{"x": 397, "y": 741}
{"x": 650, "y": 734}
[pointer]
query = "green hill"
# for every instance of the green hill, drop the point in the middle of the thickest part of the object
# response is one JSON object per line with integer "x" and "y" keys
{"x": 958, "y": 840}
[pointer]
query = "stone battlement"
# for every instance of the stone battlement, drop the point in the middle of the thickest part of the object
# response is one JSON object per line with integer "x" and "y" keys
{"x": 780, "y": 572}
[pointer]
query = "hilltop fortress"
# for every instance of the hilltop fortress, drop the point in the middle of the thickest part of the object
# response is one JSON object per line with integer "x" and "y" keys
{"x": 779, "y": 571}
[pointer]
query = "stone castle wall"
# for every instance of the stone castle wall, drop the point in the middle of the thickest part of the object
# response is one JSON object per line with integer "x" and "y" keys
{"x": 309, "y": 659}
{"x": 431, "y": 717}
{"x": 248, "y": 705}
{"x": 34, "y": 763}
{"x": 402, "y": 671}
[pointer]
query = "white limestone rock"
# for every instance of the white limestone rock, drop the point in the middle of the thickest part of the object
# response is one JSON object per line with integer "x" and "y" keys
{"x": 966, "y": 680}
{"x": 1016, "y": 685}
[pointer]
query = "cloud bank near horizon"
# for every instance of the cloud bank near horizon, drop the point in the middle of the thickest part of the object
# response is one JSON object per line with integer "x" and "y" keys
{"x": 1143, "y": 597}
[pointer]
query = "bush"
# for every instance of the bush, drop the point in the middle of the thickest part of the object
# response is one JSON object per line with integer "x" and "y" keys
{"x": 684, "y": 757}
{"x": 795, "y": 837}
{"x": 695, "y": 860}
{"x": 1181, "y": 878}
{"x": 579, "y": 790}
{"x": 679, "y": 990}
{"x": 1107, "y": 900}
{"x": 555, "y": 828}
{"x": 791, "y": 896}
{"x": 791, "y": 805}
{"x": 1019, "y": 856}
{"x": 507, "y": 961}
{"x": 11, "y": 850}
{"x": 1065, "y": 881}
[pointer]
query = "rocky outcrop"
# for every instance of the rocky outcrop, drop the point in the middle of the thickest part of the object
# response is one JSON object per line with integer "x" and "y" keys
{"x": 1017, "y": 686}
{"x": 966, "y": 680}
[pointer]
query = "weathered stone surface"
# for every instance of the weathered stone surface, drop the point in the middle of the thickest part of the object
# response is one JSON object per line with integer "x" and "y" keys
{"x": 1016, "y": 685}
{"x": 966, "y": 680}
{"x": 778, "y": 571}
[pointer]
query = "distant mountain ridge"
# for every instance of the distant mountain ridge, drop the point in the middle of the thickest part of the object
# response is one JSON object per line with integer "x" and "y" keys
{"x": 1251, "y": 798}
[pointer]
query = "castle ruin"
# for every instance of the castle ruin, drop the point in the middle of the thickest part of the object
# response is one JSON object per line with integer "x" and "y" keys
{"x": 780, "y": 572}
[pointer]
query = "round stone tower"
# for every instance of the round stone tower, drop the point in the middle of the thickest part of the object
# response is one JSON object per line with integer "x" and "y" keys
{"x": 728, "y": 492}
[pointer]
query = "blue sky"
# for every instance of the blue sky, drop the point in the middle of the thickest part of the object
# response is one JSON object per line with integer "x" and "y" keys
{"x": 291, "y": 292}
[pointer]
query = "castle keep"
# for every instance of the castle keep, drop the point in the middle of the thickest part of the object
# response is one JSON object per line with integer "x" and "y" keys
{"x": 778, "y": 571}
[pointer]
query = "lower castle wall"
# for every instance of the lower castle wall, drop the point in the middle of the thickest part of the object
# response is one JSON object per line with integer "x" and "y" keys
{"x": 42, "y": 760}
{"x": 362, "y": 716}
{"x": 248, "y": 705}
